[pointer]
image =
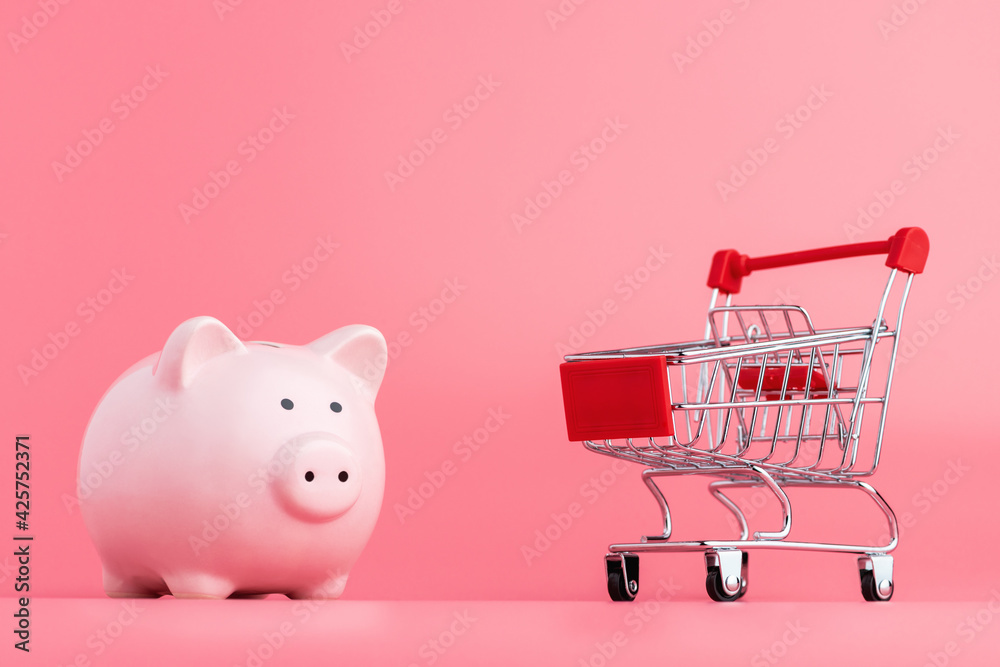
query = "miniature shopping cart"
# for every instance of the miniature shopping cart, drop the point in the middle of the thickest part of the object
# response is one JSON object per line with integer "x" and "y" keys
{"x": 765, "y": 400}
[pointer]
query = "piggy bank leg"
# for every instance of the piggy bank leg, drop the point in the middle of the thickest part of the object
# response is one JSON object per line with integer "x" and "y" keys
{"x": 196, "y": 585}
{"x": 119, "y": 587}
{"x": 331, "y": 589}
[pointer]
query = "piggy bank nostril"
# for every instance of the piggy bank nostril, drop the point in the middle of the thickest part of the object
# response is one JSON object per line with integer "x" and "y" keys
{"x": 322, "y": 481}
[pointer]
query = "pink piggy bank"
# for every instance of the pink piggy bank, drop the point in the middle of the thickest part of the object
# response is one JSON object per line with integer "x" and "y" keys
{"x": 236, "y": 468}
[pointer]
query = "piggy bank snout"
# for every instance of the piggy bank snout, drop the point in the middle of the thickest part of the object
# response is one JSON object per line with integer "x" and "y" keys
{"x": 320, "y": 481}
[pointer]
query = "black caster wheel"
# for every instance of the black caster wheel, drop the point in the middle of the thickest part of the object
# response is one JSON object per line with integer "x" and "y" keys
{"x": 871, "y": 591}
{"x": 715, "y": 585}
{"x": 622, "y": 584}
{"x": 876, "y": 577}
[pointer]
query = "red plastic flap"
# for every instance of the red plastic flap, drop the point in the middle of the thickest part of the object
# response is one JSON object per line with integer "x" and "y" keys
{"x": 616, "y": 398}
{"x": 774, "y": 377}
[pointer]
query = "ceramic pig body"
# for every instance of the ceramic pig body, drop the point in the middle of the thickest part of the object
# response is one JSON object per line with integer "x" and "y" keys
{"x": 243, "y": 468}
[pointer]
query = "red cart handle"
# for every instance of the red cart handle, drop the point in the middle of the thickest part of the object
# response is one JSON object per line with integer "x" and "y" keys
{"x": 907, "y": 251}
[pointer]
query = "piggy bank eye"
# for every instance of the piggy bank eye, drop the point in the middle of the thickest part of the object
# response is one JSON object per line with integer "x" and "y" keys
{"x": 336, "y": 407}
{"x": 287, "y": 404}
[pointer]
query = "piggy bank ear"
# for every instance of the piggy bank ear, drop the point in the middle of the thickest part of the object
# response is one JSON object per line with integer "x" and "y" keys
{"x": 361, "y": 350}
{"x": 192, "y": 345}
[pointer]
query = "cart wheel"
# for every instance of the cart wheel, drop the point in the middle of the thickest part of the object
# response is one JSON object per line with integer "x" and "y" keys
{"x": 714, "y": 583}
{"x": 870, "y": 589}
{"x": 876, "y": 577}
{"x": 622, "y": 586}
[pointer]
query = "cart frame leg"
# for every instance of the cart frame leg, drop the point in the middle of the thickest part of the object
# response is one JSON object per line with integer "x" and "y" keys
{"x": 649, "y": 475}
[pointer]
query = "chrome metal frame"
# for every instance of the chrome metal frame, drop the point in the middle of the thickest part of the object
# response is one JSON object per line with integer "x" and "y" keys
{"x": 726, "y": 429}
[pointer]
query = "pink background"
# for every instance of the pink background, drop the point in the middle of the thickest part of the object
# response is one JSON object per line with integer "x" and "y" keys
{"x": 881, "y": 95}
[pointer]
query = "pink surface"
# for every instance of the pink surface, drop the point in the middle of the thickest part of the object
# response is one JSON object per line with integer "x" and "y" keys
{"x": 253, "y": 633}
{"x": 492, "y": 187}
